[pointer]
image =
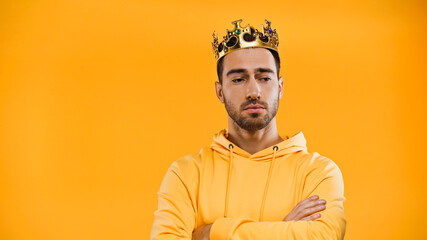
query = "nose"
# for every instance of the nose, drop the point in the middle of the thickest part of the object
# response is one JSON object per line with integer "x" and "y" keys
{"x": 253, "y": 90}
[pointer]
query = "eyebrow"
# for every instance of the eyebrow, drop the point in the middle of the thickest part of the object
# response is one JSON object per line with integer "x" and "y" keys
{"x": 268, "y": 70}
{"x": 236, "y": 70}
{"x": 242, "y": 70}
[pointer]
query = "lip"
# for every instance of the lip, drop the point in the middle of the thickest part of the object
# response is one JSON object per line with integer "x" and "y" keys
{"x": 254, "y": 110}
{"x": 254, "y": 106}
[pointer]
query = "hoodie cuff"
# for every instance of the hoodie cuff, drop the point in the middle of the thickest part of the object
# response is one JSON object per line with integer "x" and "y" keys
{"x": 223, "y": 228}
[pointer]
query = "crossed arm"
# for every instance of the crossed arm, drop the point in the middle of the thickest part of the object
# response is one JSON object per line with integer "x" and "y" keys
{"x": 175, "y": 217}
{"x": 305, "y": 210}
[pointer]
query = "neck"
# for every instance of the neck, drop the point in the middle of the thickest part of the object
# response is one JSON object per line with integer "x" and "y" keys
{"x": 253, "y": 142}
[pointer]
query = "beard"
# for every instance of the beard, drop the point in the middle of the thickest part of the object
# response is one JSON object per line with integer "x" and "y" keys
{"x": 255, "y": 121}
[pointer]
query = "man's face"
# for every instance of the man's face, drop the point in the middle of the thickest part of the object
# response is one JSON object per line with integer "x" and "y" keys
{"x": 250, "y": 89}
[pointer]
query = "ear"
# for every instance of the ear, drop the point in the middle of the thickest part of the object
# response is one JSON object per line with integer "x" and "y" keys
{"x": 280, "y": 87}
{"x": 219, "y": 93}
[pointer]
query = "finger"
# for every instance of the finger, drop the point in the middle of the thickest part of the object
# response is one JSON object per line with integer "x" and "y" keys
{"x": 301, "y": 206}
{"x": 313, "y": 203}
{"x": 309, "y": 211}
{"x": 311, "y": 217}
{"x": 312, "y": 198}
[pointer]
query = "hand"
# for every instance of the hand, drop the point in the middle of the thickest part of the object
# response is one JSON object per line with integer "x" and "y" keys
{"x": 304, "y": 210}
{"x": 202, "y": 232}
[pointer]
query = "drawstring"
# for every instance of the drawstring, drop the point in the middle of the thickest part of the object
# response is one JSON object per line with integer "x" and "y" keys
{"x": 231, "y": 146}
{"x": 228, "y": 180}
{"x": 275, "y": 148}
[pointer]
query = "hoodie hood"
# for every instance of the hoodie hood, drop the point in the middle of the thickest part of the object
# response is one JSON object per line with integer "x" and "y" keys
{"x": 228, "y": 150}
{"x": 293, "y": 144}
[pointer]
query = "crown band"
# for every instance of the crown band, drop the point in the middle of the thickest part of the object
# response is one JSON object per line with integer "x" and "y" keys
{"x": 245, "y": 37}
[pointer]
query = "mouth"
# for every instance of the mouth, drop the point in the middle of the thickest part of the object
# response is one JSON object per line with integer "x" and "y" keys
{"x": 254, "y": 108}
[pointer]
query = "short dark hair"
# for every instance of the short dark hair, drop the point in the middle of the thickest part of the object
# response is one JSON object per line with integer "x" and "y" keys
{"x": 220, "y": 67}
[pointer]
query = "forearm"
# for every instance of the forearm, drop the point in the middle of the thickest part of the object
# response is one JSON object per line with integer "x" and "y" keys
{"x": 241, "y": 228}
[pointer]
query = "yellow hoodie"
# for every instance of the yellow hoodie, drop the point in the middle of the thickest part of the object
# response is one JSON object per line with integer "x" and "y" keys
{"x": 247, "y": 196}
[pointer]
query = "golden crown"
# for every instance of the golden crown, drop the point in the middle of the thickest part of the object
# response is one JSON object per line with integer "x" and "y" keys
{"x": 245, "y": 37}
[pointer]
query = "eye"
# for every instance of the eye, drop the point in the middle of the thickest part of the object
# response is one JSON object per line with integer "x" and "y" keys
{"x": 266, "y": 79}
{"x": 237, "y": 80}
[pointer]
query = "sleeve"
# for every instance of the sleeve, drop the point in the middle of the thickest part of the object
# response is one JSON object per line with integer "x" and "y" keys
{"x": 175, "y": 216}
{"x": 324, "y": 180}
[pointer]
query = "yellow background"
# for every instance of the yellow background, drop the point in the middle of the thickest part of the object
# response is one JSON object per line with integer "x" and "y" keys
{"x": 98, "y": 98}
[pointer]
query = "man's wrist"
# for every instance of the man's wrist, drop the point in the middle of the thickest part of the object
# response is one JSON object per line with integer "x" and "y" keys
{"x": 202, "y": 232}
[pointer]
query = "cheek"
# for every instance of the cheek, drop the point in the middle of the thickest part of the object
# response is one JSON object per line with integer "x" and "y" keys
{"x": 234, "y": 95}
{"x": 273, "y": 96}
{"x": 270, "y": 92}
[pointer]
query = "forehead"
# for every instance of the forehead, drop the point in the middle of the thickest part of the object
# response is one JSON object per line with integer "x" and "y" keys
{"x": 249, "y": 58}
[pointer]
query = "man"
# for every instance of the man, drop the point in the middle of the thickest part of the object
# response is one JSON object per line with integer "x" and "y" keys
{"x": 251, "y": 183}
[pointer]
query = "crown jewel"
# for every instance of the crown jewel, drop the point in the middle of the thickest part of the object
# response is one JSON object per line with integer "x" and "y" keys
{"x": 245, "y": 37}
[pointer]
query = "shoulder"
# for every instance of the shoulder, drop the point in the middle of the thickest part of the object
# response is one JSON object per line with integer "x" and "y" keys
{"x": 322, "y": 175}
{"x": 185, "y": 165}
{"x": 314, "y": 163}
{"x": 189, "y": 165}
